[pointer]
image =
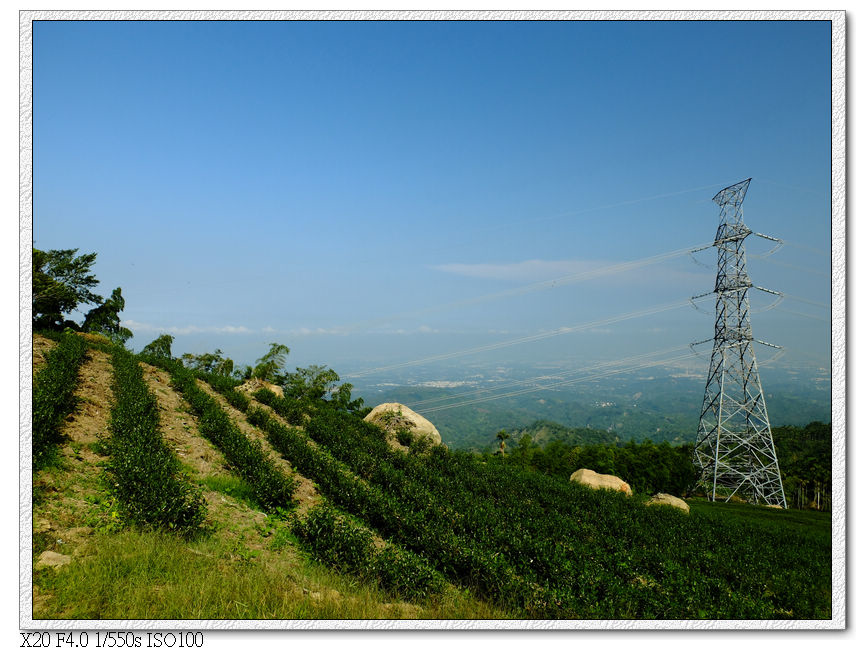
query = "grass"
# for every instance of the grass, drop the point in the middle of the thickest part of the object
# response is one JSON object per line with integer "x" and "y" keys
{"x": 151, "y": 575}
{"x": 234, "y": 487}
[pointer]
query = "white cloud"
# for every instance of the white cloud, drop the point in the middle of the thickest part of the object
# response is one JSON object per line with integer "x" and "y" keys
{"x": 136, "y": 326}
{"x": 317, "y": 331}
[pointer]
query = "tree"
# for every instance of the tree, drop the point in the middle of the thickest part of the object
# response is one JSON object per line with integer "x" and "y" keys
{"x": 502, "y": 436}
{"x": 312, "y": 383}
{"x": 105, "y": 319}
{"x": 316, "y": 382}
{"x": 62, "y": 281}
{"x": 269, "y": 366}
{"x": 210, "y": 362}
{"x": 242, "y": 373}
{"x": 159, "y": 347}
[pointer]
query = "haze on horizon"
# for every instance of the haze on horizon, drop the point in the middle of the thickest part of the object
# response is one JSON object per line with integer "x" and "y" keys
{"x": 372, "y": 193}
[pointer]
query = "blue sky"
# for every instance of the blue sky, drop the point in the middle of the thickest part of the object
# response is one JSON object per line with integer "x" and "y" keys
{"x": 351, "y": 189}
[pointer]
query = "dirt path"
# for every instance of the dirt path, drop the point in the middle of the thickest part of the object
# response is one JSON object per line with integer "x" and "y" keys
{"x": 179, "y": 427}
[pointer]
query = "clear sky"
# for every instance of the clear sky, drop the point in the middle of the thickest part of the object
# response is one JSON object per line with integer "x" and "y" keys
{"x": 352, "y": 189}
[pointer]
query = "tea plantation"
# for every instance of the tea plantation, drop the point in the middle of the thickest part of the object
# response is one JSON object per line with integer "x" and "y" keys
{"x": 428, "y": 527}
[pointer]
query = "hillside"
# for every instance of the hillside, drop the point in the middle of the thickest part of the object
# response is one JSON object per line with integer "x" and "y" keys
{"x": 294, "y": 507}
{"x": 627, "y": 406}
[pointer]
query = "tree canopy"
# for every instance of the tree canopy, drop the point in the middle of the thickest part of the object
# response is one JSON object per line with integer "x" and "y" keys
{"x": 62, "y": 281}
{"x": 105, "y": 319}
{"x": 159, "y": 347}
{"x": 269, "y": 367}
{"x": 212, "y": 362}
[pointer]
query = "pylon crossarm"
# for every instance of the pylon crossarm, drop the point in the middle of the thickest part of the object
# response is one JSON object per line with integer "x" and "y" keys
{"x": 770, "y": 238}
{"x": 773, "y": 292}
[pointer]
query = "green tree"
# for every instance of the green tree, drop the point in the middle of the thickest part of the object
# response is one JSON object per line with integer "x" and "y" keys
{"x": 105, "y": 319}
{"x": 311, "y": 383}
{"x": 211, "y": 362}
{"x": 242, "y": 373}
{"x": 62, "y": 281}
{"x": 159, "y": 347}
{"x": 269, "y": 366}
{"x": 317, "y": 383}
{"x": 502, "y": 436}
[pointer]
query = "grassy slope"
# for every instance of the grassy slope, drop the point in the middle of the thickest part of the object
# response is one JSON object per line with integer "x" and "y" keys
{"x": 247, "y": 566}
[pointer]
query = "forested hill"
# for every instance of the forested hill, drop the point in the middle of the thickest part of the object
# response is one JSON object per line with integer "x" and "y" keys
{"x": 804, "y": 457}
{"x": 666, "y": 408}
{"x": 541, "y": 432}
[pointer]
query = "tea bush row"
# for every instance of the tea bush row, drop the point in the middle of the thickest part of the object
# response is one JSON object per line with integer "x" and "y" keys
{"x": 54, "y": 396}
{"x": 336, "y": 541}
{"x": 145, "y": 475}
{"x": 272, "y": 488}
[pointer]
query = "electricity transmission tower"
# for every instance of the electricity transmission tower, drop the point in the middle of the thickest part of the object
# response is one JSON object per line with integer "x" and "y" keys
{"x": 734, "y": 452}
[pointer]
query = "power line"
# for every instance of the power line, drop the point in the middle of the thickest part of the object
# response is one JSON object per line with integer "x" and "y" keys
{"x": 791, "y": 266}
{"x": 527, "y": 339}
{"x": 560, "y": 375}
{"x": 556, "y": 384}
{"x": 529, "y": 288}
{"x": 800, "y": 313}
{"x": 807, "y": 301}
{"x": 811, "y": 249}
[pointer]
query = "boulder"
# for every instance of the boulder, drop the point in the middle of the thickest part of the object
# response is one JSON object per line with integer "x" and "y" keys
{"x": 393, "y": 416}
{"x": 52, "y": 559}
{"x": 252, "y": 385}
{"x": 597, "y": 481}
{"x": 662, "y": 499}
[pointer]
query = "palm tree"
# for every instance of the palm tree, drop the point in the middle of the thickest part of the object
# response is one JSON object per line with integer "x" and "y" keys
{"x": 502, "y": 436}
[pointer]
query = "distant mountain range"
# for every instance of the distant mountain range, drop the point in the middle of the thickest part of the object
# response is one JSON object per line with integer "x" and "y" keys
{"x": 663, "y": 405}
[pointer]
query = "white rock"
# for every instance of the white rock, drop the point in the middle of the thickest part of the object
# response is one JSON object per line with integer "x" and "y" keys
{"x": 662, "y": 499}
{"x": 597, "y": 481}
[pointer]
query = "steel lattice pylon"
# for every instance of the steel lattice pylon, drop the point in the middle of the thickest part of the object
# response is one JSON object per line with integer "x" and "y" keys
{"x": 734, "y": 452}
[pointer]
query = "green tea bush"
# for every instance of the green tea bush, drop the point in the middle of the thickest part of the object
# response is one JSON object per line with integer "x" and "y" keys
{"x": 145, "y": 475}
{"x": 291, "y": 410}
{"x": 54, "y": 396}
{"x": 406, "y": 573}
{"x": 333, "y": 539}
